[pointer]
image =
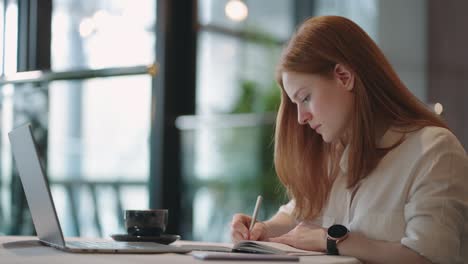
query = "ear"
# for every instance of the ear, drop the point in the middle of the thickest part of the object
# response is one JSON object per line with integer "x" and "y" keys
{"x": 345, "y": 76}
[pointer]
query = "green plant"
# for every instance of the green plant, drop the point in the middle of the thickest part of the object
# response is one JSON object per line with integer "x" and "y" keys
{"x": 257, "y": 99}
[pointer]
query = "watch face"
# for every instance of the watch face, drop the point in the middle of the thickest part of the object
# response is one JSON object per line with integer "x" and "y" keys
{"x": 337, "y": 231}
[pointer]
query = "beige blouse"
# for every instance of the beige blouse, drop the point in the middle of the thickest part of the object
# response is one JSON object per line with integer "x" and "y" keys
{"x": 417, "y": 195}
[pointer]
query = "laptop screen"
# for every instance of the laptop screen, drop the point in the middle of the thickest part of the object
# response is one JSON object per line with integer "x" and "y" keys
{"x": 35, "y": 186}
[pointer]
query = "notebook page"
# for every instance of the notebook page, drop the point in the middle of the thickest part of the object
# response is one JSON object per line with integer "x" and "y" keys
{"x": 204, "y": 246}
{"x": 286, "y": 248}
{"x": 242, "y": 256}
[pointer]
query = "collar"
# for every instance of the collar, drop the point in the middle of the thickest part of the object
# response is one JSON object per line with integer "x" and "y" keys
{"x": 390, "y": 137}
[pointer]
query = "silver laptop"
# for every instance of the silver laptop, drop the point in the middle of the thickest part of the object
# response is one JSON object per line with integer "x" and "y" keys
{"x": 42, "y": 207}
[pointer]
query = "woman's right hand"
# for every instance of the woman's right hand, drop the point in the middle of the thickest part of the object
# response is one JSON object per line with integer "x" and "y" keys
{"x": 240, "y": 229}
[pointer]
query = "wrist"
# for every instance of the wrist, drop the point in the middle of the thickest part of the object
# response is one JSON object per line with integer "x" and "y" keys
{"x": 323, "y": 244}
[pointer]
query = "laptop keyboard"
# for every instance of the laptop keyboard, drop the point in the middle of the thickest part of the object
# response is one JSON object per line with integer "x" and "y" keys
{"x": 104, "y": 245}
{"x": 123, "y": 247}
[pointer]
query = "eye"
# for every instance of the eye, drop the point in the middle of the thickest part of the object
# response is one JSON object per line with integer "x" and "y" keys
{"x": 306, "y": 99}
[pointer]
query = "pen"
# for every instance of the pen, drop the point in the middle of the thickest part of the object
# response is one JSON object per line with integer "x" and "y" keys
{"x": 254, "y": 216}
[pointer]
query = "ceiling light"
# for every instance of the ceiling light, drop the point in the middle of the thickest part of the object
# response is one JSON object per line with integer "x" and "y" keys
{"x": 236, "y": 10}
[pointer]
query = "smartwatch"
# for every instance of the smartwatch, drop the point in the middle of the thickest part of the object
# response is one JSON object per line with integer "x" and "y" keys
{"x": 335, "y": 234}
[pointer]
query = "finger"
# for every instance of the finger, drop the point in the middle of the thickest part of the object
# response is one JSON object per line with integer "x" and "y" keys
{"x": 245, "y": 219}
{"x": 241, "y": 217}
{"x": 241, "y": 228}
{"x": 257, "y": 231}
{"x": 237, "y": 236}
{"x": 255, "y": 234}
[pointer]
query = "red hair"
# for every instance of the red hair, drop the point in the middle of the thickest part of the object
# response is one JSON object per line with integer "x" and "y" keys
{"x": 305, "y": 164}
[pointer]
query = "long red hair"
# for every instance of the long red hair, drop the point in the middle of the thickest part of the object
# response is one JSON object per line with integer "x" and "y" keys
{"x": 305, "y": 164}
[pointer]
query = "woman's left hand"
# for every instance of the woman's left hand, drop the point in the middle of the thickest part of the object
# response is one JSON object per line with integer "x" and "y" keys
{"x": 305, "y": 236}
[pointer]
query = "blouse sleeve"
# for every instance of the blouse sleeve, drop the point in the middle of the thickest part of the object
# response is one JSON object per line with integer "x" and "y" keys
{"x": 437, "y": 206}
{"x": 287, "y": 208}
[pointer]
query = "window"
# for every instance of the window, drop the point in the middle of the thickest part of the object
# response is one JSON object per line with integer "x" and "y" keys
{"x": 90, "y": 114}
{"x": 227, "y": 159}
{"x": 99, "y": 128}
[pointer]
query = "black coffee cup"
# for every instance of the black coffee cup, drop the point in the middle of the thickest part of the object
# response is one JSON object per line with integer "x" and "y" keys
{"x": 150, "y": 222}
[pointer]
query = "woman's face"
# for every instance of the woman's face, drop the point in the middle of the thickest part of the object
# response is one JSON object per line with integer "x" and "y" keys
{"x": 325, "y": 104}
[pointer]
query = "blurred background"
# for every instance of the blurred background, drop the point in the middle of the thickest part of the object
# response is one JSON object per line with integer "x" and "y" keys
{"x": 171, "y": 104}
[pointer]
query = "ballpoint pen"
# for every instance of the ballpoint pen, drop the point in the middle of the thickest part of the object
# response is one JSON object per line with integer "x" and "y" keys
{"x": 255, "y": 213}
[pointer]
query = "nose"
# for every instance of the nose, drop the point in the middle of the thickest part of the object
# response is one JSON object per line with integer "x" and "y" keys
{"x": 303, "y": 116}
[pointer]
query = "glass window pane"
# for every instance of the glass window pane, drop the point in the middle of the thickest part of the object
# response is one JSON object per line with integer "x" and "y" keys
{"x": 226, "y": 64}
{"x": 21, "y": 103}
{"x": 98, "y": 136}
{"x": 234, "y": 75}
{"x": 8, "y": 61}
{"x": 11, "y": 38}
{"x": 259, "y": 18}
{"x": 212, "y": 12}
{"x": 259, "y": 63}
{"x": 217, "y": 192}
{"x": 96, "y": 149}
{"x": 364, "y": 12}
{"x": 104, "y": 33}
{"x": 2, "y": 27}
{"x": 218, "y": 75}
{"x": 273, "y": 18}
{"x": 99, "y": 128}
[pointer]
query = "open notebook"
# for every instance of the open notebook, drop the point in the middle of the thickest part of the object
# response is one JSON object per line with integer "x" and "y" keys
{"x": 242, "y": 256}
{"x": 248, "y": 246}
{"x": 263, "y": 247}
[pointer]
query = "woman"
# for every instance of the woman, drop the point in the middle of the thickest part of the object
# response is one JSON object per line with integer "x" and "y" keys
{"x": 371, "y": 172}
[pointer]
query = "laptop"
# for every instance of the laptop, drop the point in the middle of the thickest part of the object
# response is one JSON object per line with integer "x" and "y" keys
{"x": 41, "y": 205}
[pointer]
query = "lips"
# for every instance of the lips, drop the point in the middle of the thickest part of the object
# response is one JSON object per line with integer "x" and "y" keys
{"x": 315, "y": 127}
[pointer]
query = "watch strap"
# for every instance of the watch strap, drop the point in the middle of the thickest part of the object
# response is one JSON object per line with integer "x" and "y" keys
{"x": 332, "y": 248}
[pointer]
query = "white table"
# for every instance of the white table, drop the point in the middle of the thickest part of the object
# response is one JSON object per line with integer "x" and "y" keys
{"x": 24, "y": 249}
